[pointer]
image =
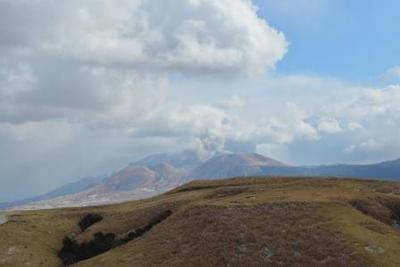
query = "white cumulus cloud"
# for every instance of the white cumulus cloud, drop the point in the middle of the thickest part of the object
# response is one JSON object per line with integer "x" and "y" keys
{"x": 203, "y": 35}
{"x": 92, "y": 78}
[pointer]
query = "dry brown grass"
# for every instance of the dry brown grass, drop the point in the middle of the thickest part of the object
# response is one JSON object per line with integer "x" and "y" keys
{"x": 235, "y": 222}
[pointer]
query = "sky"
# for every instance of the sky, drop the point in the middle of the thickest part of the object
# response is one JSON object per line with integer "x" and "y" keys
{"x": 88, "y": 86}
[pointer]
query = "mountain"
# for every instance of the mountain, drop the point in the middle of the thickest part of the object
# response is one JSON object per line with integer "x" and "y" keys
{"x": 231, "y": 222}
{"x": 159, "y": 177}
{"x": 149, "y": 176}
{"x": 68, "y": 189}
{"x": 132, "y": 182}
{"x": 225, "y": 165}
{"x": 389, "y": 170}
{"x": 159, "y": 173}
{"x": 187, "y": 160}
{"x": 72, "y": 188}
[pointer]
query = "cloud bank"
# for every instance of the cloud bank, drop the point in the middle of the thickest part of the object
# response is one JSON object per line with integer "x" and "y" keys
{"x": 104, "y": 61}
{"x": 88, "y": 81}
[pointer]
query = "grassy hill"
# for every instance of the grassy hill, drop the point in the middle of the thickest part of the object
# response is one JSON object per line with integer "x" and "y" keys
{"x": 235, "y": 222}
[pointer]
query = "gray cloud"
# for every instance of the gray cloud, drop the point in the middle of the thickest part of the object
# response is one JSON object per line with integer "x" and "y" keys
{"x": 88, "y": 81}
{"x": 83, "y": 58}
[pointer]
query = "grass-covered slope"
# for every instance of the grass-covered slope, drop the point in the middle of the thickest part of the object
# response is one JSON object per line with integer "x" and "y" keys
{"x": 236, "y": 222}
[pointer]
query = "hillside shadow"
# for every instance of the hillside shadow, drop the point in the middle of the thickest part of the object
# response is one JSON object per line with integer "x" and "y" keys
{"x": 73, "y": 251}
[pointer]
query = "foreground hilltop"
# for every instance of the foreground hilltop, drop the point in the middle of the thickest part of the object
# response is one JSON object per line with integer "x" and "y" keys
{"x": 235, "y": 222}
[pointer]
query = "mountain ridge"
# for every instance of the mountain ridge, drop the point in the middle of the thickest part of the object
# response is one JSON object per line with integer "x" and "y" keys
{"x": 233, "y": 165}
{"x": 161, "y": 172}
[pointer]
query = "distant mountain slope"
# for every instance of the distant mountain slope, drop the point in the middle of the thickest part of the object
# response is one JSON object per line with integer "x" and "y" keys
{"x": 159, "y": 177}
{"x": 68, "y": 189}
{"x": 132, "y": 182}
{"x": 233, "y": 165}
{"x": 73, "y": 188}
{"x": 188, "y": 160}
{"x": 158, "y": 173}
{"x": 389, "y": 170}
